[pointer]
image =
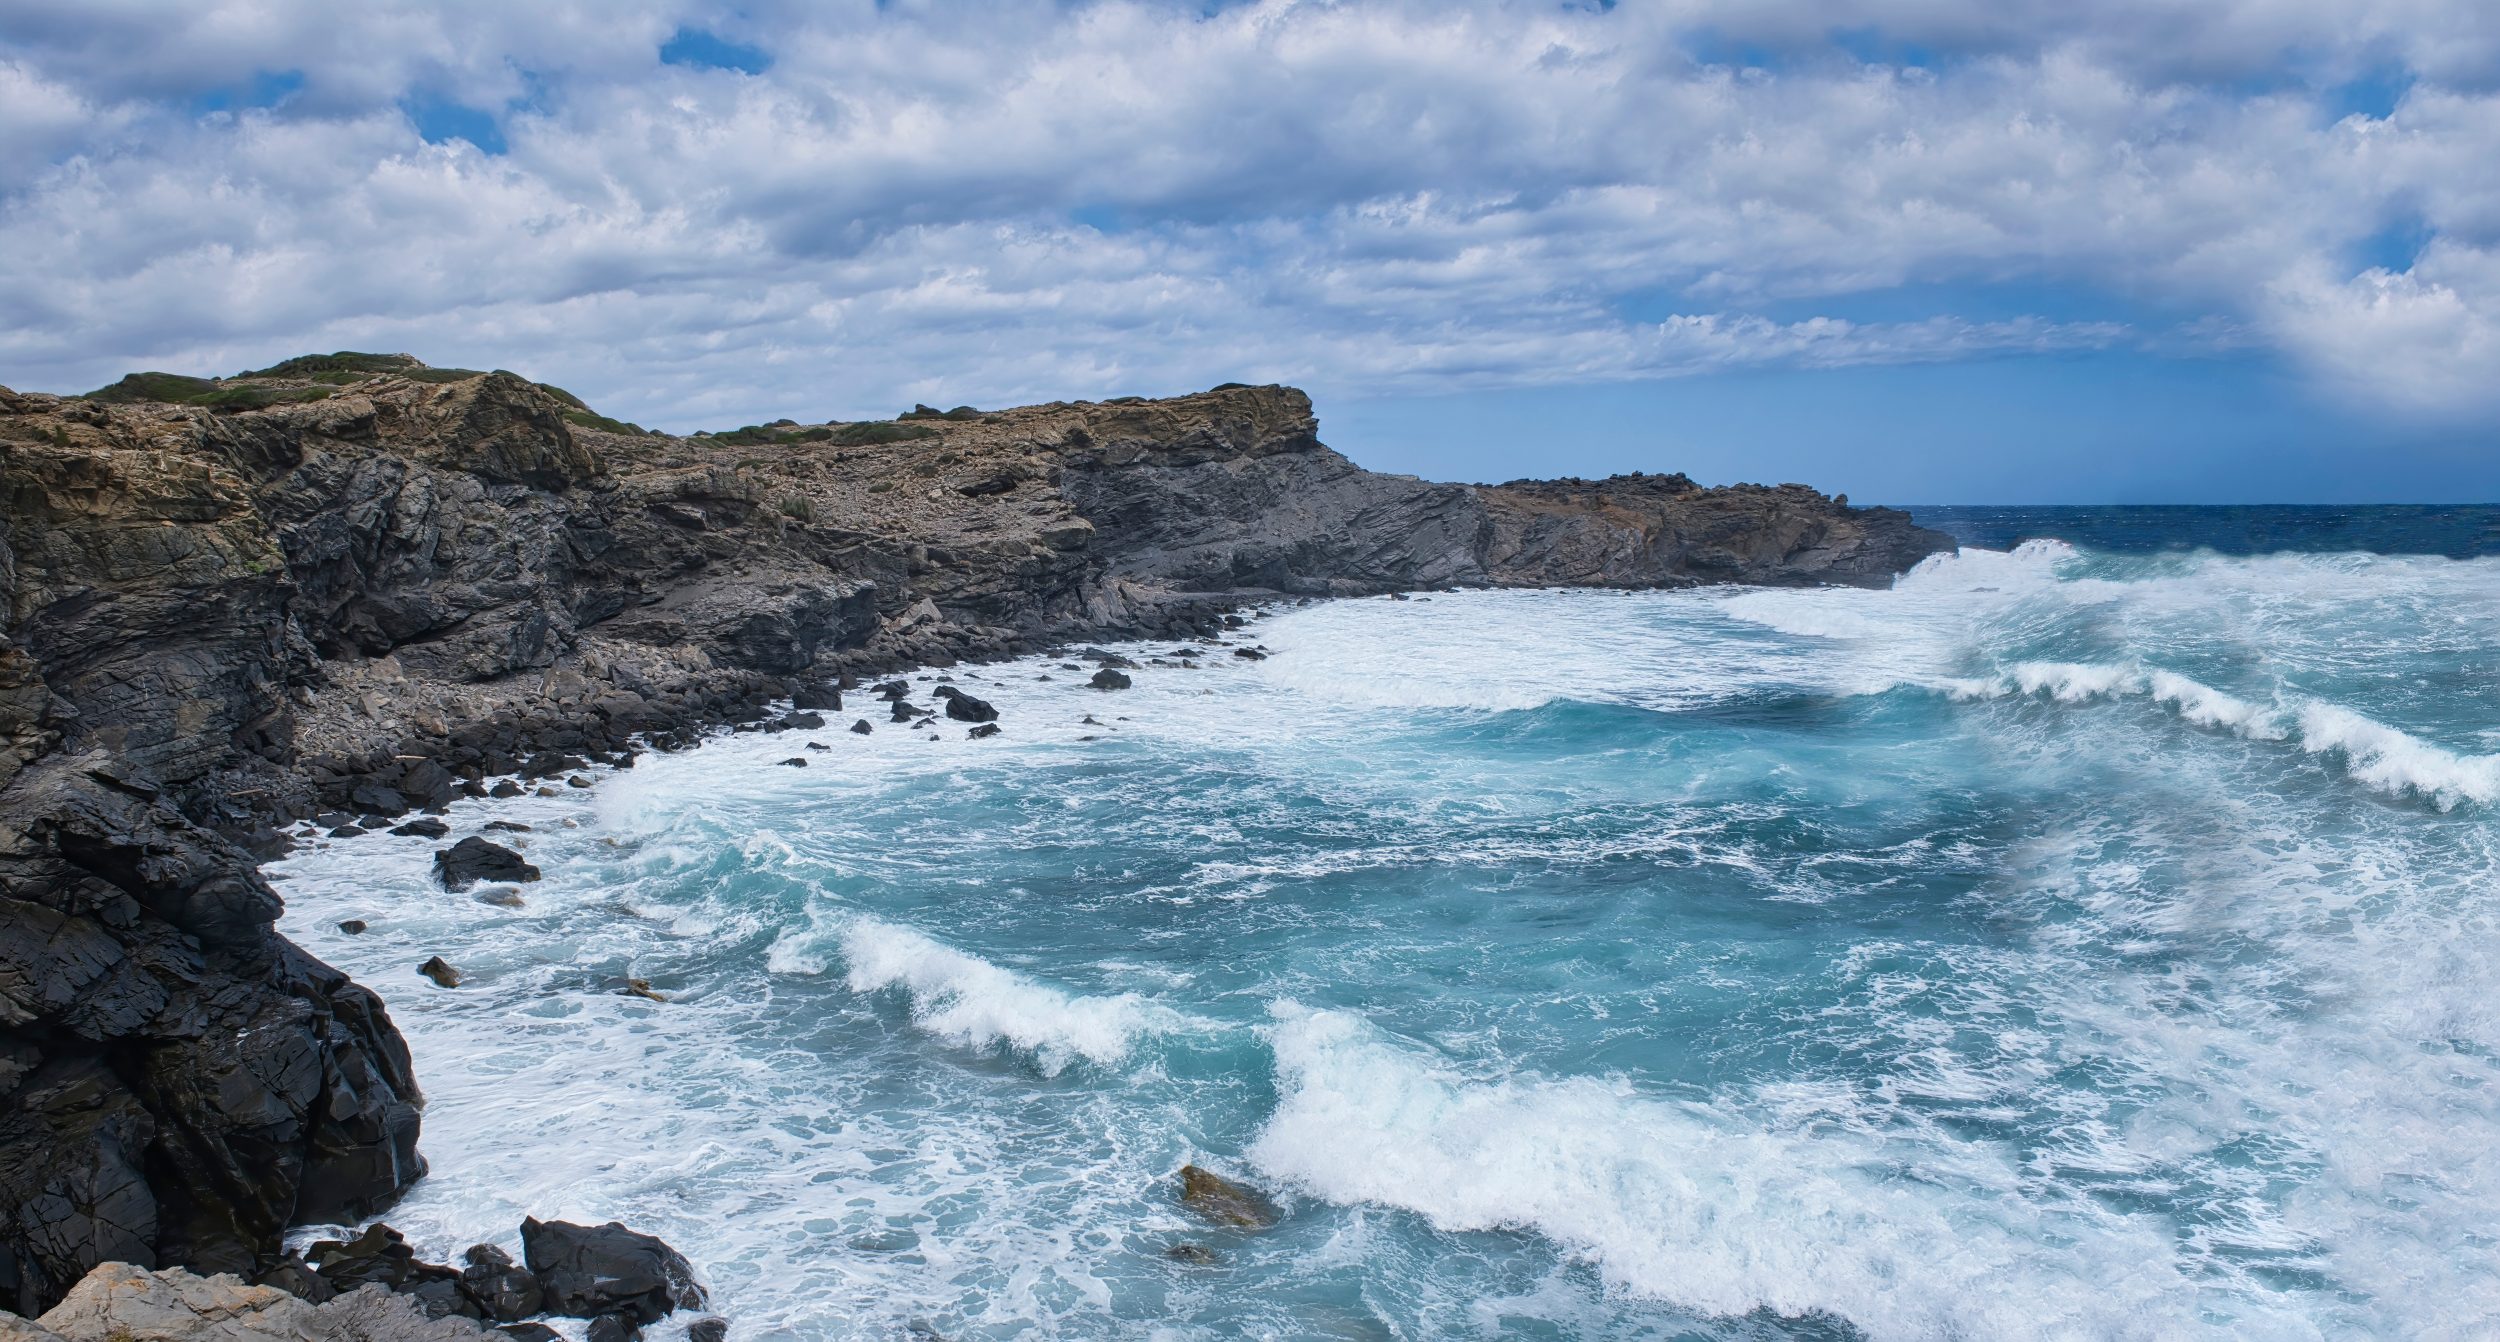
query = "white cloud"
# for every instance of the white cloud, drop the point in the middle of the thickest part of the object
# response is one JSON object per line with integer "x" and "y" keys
{"x": 1365, "y": 197}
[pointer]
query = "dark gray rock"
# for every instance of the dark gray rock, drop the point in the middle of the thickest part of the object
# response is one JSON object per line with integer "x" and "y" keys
{"x": 502, "y": 1291}
{"x": 1108, "y": 679}
{"x": 474, "y": 859}
{"x": 427, "y": 828}
{"x": 963, "y": 707}
{"x": 590, "y": 1271}
{"x": 861, "y": 728}
{"x": 986, "y": 729}
{"x": 712, "y": 1329}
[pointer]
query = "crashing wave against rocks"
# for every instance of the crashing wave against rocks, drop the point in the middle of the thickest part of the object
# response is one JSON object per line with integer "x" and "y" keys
{"x": 352, "y": 587}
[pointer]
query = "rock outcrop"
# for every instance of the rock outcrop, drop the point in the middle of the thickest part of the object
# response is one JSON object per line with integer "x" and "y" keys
{"x": 355, "y": 587}
{"x": 118, "y": 1302}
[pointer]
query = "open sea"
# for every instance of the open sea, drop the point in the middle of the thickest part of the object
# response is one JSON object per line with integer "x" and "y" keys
{"x": 2096, "y": 935}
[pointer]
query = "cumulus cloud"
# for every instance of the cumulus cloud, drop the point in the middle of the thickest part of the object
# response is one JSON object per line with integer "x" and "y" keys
{"x": 926, "y": 200}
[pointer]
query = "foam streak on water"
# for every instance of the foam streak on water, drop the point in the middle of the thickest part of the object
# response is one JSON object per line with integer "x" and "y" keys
{"x": 2059, "y": 944}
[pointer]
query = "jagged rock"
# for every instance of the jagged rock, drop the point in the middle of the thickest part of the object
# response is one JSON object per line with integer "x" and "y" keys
{"x": 613, "y": 1328}
{"x": 1225, "y": 1201}
{"x": 118, "y": 1302}
{"x": 1108, "y": 679}
{"x": 474, "y": 859}
{"x": 503, "y": 1291}
{"x": 963, "y": 707}
{"x": 588, "y": 1271}
{"x": 986, "y": 729}
{"x": 428, "y": 828}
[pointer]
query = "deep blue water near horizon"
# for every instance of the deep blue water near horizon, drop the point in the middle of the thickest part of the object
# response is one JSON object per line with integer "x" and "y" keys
{"x": 2088, "y": 937}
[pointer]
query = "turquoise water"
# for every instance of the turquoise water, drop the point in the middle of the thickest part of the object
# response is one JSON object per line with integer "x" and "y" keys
{"x": 2066, "y": 943}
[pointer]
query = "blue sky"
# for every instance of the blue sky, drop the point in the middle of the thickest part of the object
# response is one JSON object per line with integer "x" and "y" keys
{"x": 1963, "y": 250}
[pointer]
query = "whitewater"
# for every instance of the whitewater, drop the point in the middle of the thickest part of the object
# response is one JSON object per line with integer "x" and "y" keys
{"x": 2059, "y": 944}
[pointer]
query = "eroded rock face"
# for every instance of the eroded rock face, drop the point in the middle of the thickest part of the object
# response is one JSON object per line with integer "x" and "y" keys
{"x": 118, "y": 1302}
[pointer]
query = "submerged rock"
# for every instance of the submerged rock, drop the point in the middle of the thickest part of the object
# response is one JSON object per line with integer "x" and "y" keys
{"x": 1225, "y": 1201}
{"x": 352, "y": 926}
{"x": 589, "y": 1271}
{"x": 1197, "y": 1255}
{"x": 440, "y": 970}
{"x": 426, "y": 828}
{"x": 986, "y": 729}
{"x": 795, "y": 762}
{"x": 473, "y": 859}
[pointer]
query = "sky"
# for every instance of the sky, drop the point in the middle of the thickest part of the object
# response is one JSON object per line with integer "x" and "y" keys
{"x": 1932, "y": 251}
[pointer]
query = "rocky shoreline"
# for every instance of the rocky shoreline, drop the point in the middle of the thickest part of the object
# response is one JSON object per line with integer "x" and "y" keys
{"x": 356, "y": 588}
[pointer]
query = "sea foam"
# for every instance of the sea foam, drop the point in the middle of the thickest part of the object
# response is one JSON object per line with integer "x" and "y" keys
{"x": 972, "y": 1002}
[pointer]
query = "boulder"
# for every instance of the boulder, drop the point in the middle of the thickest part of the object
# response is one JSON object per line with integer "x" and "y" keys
{"x": 505, "y": 788}
{"x": 352, "y": 926}
{"x": 474, "y": 859}
{"x": 861, "y": 728}
{"x": 710, "y": 1329}
{"x": 904, "y": 711}
{"x": 963, "y": 707}
{"x": 1108, "y": 679}
{"x": 590, "y": 1271}
{"x": 1225, "y": 1201}
{"x": 986, "y": 729}
{"x": 503, "y": 1291}
{"x": 425, "y": 828}
{"x": 613, "y": 1328}
{"x": 440, "y": 970}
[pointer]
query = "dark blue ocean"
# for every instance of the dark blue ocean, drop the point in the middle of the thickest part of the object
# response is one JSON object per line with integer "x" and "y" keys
{"x": 2095, "y": 935}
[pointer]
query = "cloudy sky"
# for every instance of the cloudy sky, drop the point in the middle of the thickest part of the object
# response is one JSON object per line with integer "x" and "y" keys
{"x": 1919, "y": 250}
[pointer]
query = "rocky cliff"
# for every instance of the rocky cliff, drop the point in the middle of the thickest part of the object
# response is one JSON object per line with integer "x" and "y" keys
{"x": 354, "y": 584}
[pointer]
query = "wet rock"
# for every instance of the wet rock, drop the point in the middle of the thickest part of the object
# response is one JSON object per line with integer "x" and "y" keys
{"x": 1197, "y": 1255}
{"x": 531, "y": 1332}
{"x": 894, "y": 689}
{"x": 711, "y": 1329}
{"x": 501, "y": 896}
{"x": 817, "y": 696}
{"x": 1225, "y": 1201}
{"x": 640, "y": 988}
{"x": 1109, "y": 659}
{"x": 352, "y": 926}
{"x": 861, "y": 728}
{"x": 795, "y": 762}
{"x": 578, "y": 780}
{"x": 345, "y": 832}
{"x": 443, "y": 1297}
{"x": 427, "y": 828}
{"x": 474, "y": 859}
{"x": 1250, "y": 654}
{"x": 296, "y": 1277}
{"x": 377, "y": 1256}
{"x": 1108, "y": 679}
{"x": 440, "y": 970}
{"x": 506, "y": 827}
{"x": 590, "y": 1271}
{"x": 803, "y": 722}
{"x": 504, "y": 1291}
{"x": 546, "y": 792}
{"x": 963, "y": 707}
{"x": 613, "y": 1328}
{"x": 819, "y": 747}
{"x": 986, "y": 729}
{"x": 904, "y": 711}
{"x": 504, "y": 788}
